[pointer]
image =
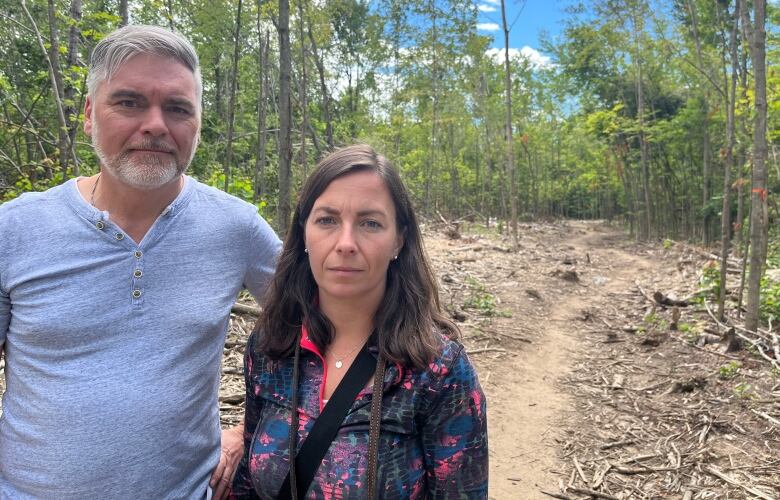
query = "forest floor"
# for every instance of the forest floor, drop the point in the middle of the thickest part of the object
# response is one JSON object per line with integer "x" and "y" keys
{"x": 595, "y": 388}
{"x": 592, "y": 392}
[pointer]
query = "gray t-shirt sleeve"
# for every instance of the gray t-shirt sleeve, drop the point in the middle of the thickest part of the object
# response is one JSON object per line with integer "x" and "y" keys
{"x": 5, "y": 297}
{"x": 5, "y": 315}
{"x": 263, "y": 247}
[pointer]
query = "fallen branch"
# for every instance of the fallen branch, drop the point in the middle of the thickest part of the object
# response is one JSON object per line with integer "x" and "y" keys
{"x": 664, "y": 300}
{"x": 555, "y": 495}
{"x": 593, "y": 493}
{"x": 755, "y": 343}
{"x": 717, "y": 473}
{"x": 232, "y": 398}
{"x": 486, "y": 349}
{"x": 240, "y": 308}
{"x": 615, "y": 444}
{"x": 766, "y": 417}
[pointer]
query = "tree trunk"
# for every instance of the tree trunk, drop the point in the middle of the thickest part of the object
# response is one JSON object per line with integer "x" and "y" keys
{"x": 646, "y": 228}
{"x": 323, "y": 90}
{"x": 285, "y": 118}
{"x": 262, "y": 105}
{"x": 303, "y": 88}
{"x": 232, "y": 106}
{"x": 124, "y": 17}
{"x": 63, "y": 145}
{"x": 510, "y": 155}
{"x": 55, "y": 74}
{"x": 71, "y": 111}
{"x": 706, "y": 146}
{"x": 730, "y": 101}
{"x": 430, "y": 166}
{"x": 758, "y": 193}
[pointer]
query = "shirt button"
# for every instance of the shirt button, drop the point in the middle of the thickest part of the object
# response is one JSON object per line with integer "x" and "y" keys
{"x": 119, "y": 236}
{"x": 138, "y": 254}
{"x": 136, "y": 293}
{"x": 100, "y": 225}
{"x": 138, "y": 273}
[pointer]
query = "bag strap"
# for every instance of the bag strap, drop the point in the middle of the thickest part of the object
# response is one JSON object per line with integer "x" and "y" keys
{"x": 328, "y": 423}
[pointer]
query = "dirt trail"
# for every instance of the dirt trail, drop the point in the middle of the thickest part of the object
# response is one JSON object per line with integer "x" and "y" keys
{"x": 528, "y": 402}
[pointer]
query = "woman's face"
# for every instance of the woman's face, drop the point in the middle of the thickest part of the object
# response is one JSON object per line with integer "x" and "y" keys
{"x": 352, "y": 237}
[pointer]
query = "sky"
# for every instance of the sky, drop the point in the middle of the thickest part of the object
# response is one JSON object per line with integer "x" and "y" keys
{"x": 530, "y": 18}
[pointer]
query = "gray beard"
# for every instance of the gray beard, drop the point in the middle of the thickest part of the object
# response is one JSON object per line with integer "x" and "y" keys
{"x": 146, "y": 173}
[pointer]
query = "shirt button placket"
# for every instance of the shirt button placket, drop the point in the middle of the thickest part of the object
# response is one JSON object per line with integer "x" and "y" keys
{"x": 137, "y": 293}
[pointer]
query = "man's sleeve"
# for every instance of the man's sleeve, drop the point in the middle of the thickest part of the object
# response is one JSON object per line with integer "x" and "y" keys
{"x": 5, "y": 316}
{"x": 264, "y": 247}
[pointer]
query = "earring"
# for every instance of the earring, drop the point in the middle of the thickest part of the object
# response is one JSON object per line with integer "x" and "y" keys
{"x": 395, "y": 257}
{"x": 305, "y": 250}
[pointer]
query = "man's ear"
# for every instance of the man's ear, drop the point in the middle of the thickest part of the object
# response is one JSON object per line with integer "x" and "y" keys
{"x": 88, "y": 116}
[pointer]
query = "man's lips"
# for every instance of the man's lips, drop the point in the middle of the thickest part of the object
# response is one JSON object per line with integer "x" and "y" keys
{"x": 145, "y": 150}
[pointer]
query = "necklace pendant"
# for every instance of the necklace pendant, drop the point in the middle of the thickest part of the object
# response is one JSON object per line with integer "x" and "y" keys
{"x": 339, "y": 364}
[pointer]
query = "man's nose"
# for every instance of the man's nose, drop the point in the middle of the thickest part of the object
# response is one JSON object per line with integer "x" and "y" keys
{"x": 154, "y": 122}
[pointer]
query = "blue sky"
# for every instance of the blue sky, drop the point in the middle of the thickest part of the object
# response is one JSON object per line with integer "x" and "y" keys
{"x": 530, "y": 18}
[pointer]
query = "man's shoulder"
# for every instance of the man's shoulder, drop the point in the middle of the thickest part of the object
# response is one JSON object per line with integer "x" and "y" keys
{"x": 33, "y": 204}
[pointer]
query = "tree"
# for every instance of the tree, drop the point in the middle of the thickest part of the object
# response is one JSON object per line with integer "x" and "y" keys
{"x": 510, "y": 155}
{"x": 759, "y": 223}
{"x": 232, "y": 106}
{"x": 285, "y": 118}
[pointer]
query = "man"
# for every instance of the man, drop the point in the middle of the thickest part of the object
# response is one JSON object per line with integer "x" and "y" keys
{"x": 115, "y": 292}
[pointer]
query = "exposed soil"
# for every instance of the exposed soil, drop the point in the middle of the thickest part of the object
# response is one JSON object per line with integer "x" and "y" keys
{"x": 595, "y": 388}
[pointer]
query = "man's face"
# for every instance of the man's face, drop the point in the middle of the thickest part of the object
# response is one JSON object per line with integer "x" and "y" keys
{"x": 144, "y": 121}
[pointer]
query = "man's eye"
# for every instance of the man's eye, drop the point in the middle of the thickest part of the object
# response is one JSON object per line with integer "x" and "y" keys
{"x": 128, "y": 103}
{"x": 179, "y": 110}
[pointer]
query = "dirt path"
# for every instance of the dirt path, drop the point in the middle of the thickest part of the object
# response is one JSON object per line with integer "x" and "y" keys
{"x": 528, "y": 401}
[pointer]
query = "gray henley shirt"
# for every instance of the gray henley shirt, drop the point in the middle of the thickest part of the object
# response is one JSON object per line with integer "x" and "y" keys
{"x": 113, "y": 347}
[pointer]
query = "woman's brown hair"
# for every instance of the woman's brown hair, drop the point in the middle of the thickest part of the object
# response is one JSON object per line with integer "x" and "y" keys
{"x": 409, "y": 318}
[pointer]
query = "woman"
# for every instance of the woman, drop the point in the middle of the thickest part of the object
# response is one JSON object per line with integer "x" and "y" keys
{"x": 353, "y": 283}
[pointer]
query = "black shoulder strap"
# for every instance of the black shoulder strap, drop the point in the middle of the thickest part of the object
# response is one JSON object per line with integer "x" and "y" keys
{"x": 327, "y": 424}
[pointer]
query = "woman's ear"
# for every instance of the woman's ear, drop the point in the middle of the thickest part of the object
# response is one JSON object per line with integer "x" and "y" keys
{"x": 399, "y": 242}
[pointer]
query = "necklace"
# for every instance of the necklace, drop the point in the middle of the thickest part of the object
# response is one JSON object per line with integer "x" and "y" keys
{"x": 94, "y": 187}
{"x": 340, "y": 359}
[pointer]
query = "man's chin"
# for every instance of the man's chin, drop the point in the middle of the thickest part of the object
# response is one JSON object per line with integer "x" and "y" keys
{"x": 149, "y": 181}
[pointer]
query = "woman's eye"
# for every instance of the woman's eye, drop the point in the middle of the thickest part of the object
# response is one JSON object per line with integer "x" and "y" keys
{"x": 325, "y": 221}
{"x": 372, "y": 224}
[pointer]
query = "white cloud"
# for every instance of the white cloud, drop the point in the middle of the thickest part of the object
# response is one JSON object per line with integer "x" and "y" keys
{"x": 486, "y": 8}
{"x": 533, "y": 56}
{"x": 494, "y": 2}
{"x": 488, "y": 26}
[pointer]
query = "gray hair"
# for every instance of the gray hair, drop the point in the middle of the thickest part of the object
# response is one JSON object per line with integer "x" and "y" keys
{"x": 132, "y": 40}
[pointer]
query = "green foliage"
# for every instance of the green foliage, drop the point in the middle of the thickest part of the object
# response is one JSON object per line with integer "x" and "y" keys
{"x": 480, "y": 299}
{"x": 769, "y": 308}
{"x": 744, "y": 391}
{"x": 25, "y": 185}
{"x": 653, "y": 321}
{"x": 729, "y": 370}
{"x": 709, "y": 283}
{"x": 418, "y": 82}
{"x": 240, "y": 186}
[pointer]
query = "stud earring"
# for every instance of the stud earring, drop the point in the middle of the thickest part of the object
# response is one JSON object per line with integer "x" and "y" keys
{"x": 305, "y": 250}
{"x": 395, "y": 257}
